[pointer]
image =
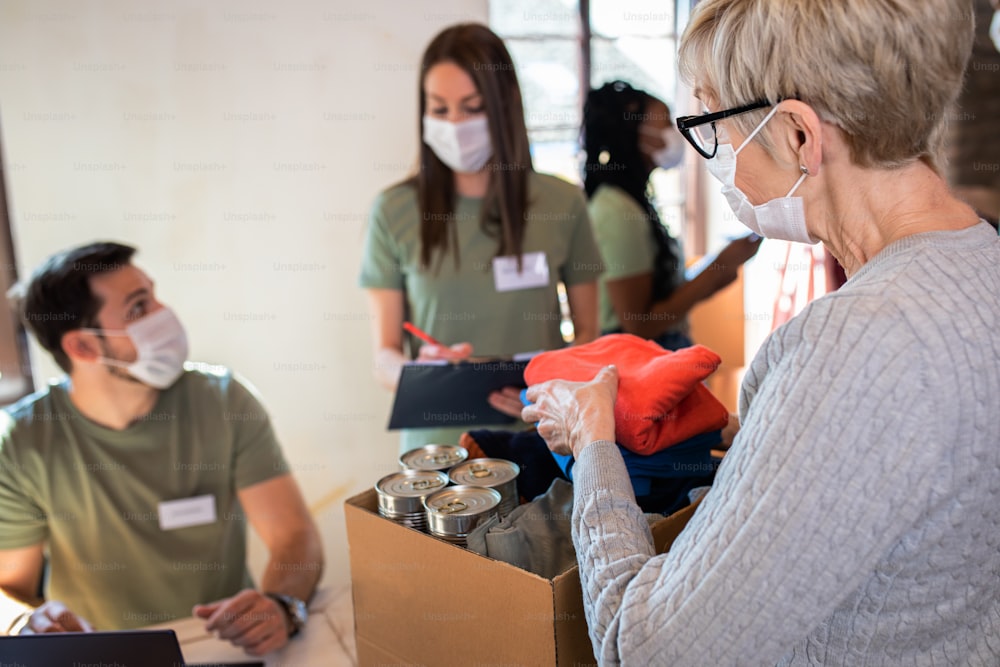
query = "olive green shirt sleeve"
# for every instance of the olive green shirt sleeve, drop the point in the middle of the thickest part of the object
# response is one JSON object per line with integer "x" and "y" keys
{"x": 258, "y": 456}
{"x": 22, "y": 521}
{"x": 622, "y": 234}
{"x": 381, "y": 260}
{"x": 584, "y": 261}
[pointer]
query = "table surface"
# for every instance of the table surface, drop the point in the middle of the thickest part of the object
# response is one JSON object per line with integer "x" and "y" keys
{"x": 327, "y": 639}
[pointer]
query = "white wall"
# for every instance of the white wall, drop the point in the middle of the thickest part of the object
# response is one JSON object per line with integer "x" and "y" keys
{"x": 238, "y": 145}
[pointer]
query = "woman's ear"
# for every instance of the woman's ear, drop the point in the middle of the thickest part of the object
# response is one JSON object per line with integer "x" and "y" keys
{"x": 802, "y": 135}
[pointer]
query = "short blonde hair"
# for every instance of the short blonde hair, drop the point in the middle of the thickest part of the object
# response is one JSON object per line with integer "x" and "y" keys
{"x": 887, "y": 72}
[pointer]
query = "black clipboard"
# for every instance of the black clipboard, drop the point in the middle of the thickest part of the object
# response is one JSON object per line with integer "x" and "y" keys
{"x": 441, "y": 394}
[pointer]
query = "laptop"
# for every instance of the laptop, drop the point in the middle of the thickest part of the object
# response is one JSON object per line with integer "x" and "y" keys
{"x": 125, "y": 648}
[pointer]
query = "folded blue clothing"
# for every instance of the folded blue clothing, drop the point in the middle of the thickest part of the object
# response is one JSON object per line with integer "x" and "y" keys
{"x": 689, "y": 458}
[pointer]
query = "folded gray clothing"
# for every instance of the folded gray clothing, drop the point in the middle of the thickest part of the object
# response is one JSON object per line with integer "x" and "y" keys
{"x": 697, "y": 493}
{"x": 535, "y": 536}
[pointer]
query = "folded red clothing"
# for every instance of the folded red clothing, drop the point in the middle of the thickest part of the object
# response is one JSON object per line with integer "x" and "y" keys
{"x": 661, "y": 398}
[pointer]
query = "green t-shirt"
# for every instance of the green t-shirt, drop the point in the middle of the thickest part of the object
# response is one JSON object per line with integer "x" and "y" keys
{"x": 455, "y": 304}
{"x": 626, "y": 244}
{"x": 91, "y": 495}
{"x": 622, "y": 234}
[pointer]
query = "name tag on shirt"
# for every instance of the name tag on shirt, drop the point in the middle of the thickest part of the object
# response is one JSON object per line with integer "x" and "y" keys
{"x": 187, "y": 512}
{"x": 534, "y": 272}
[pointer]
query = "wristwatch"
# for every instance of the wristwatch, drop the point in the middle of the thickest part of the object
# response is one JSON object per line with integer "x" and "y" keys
{"x": 295, "y": 610}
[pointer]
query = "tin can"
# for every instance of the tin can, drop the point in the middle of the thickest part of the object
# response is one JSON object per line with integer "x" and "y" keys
{"x": 433, "y": 457}
{"x": 453, "y": 512}
{"x": 498, "y": 474}
{"x": 401, "y": 495}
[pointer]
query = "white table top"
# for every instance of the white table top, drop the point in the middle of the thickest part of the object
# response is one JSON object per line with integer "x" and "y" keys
{"x": 327, "y": 639}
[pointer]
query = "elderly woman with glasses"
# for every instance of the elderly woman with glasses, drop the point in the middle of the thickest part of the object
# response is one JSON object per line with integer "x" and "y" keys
{"x": 856, "y": 519}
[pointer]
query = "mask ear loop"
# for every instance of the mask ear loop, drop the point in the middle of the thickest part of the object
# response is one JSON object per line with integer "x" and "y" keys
{"x": 103, "y": 332}
{"x": 757, "y": 129}
{"x": 805, "y": 172}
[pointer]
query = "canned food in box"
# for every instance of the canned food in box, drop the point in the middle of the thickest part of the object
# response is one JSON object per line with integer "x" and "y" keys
{"x": 433, "y": 457}
{"x": 498, "y": 474}
{"x": 401, "y": 495}
{"x": 456, "y": 510}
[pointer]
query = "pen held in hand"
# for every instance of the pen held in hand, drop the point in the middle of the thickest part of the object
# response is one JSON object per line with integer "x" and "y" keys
{"x": 422, "y": 335}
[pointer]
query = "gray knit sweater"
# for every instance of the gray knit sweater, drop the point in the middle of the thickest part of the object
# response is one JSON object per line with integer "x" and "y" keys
{"x": 856, "y": 519}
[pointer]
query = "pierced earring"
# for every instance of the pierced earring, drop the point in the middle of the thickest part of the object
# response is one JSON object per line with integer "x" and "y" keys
{"x": 804, "y": 169}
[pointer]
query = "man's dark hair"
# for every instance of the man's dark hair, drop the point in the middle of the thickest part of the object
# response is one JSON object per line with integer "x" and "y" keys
{"x": 57, "y": 298}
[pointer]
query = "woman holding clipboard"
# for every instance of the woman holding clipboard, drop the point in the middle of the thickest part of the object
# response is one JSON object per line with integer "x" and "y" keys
{"x": 471, "y": 248}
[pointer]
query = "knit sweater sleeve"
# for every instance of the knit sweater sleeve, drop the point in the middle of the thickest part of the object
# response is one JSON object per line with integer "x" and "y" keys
{"x": 825, "y": 476}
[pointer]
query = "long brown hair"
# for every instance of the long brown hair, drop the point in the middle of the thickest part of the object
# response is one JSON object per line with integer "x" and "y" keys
{"x": 482, "y": 55}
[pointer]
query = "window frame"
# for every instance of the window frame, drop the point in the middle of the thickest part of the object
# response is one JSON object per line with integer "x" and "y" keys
{"x": 14, "y": 357}
{"x": 692, "y": 202}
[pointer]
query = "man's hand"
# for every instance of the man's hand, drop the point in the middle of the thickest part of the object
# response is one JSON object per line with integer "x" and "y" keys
{"x": 54, "y": 616}
{"x": 248, "y": 619}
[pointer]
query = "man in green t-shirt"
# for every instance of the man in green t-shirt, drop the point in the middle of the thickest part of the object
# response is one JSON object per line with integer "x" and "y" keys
{"x": 132, "y": 478}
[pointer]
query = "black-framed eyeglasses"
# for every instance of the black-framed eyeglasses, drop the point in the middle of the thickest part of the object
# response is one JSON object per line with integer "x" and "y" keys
{"x": 700, "y": 130}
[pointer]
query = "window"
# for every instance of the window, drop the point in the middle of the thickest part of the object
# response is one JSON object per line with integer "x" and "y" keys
{"x": 15, "y": 372}
{"x": 563, "y": 47}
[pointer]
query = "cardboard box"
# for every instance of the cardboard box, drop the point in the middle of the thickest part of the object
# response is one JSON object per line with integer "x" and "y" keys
{"x": 419, "y": 600}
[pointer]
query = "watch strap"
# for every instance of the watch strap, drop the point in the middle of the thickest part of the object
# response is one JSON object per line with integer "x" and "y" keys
{"x": 288, "y": 605}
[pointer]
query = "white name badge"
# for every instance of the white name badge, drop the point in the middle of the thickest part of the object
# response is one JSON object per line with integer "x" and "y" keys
{"x": 534, "y": 272}
{"x": 187, "y": 512}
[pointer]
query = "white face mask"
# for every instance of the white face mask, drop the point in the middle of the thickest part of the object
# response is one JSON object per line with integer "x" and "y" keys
{"x": 783, "y": 218}
{"x": 672, "y": 154}
{"x": 161, "y": 348}
{"x": 464, "y": 146}
{"x": 995, "y": 29}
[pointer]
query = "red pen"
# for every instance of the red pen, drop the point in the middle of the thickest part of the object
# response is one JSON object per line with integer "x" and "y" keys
{"x": 426, "y": 337}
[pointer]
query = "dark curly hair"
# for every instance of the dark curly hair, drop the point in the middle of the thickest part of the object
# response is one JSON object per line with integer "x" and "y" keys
{"x": 611, "y": 119}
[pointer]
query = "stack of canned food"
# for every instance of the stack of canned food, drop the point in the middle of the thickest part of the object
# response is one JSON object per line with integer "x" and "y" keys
{"x": 416, "y": 496}
{"x": 401, "y": 495}
{"x": 453, "y": 512}
{"x": 497, "y": 474}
